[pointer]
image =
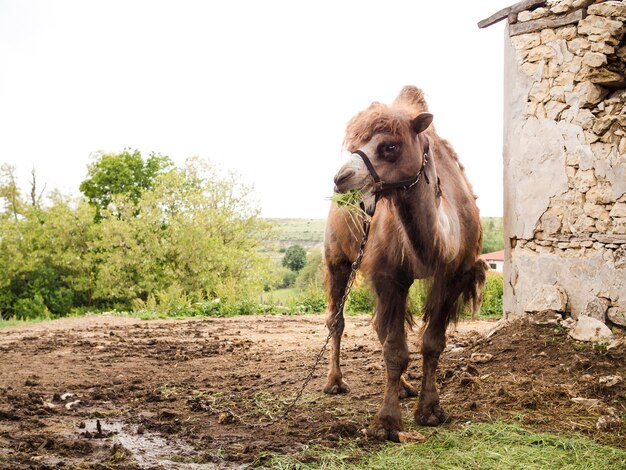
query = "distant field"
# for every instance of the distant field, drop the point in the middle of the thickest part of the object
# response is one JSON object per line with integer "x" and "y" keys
{"x": 310, "y": 232}
{"x": 305, "y": 232}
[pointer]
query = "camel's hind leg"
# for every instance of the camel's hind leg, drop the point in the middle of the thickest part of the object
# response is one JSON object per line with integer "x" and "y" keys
{"x": 428, "y": 412}
{"x": 442, "y": 307}
{"x": 337, "y": 278}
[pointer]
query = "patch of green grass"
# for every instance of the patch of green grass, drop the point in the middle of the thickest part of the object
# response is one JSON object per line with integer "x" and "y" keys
{"x": 11, "y": 322}
{"x": 473, "y": 446}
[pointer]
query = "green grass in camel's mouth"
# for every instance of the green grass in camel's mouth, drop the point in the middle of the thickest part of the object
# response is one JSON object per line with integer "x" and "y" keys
{"x": 348, "y": 199}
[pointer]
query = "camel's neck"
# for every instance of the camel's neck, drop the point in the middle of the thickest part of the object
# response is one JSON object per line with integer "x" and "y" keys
{"x": 432, "y": 229}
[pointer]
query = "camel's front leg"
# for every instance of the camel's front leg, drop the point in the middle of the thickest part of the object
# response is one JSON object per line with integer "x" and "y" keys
{"x": 336, "y": 284}
{"x": 390, "y": 326}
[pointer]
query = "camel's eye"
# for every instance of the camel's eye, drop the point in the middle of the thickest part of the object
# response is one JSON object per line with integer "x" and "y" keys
{"x": 389, "y": 150}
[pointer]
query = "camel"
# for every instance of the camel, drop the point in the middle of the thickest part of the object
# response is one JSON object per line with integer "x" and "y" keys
{"x": 425, "y": 224}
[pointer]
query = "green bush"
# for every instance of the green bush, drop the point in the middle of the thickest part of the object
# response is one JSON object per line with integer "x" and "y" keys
{"x": 288, "y": 280}
{"x": 361, "y": 300}
{"x": 416, "y": 301}
{"x": 313, "y": 271}
{"x": 492, "y": 295}
{"x": 31, "y": 308}
{"x": 156, "y": 227}
{"x": 312, "y": 300}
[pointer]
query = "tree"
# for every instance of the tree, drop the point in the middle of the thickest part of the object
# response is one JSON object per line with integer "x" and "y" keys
{"x": 493, "y": 234}
{"x": 295, "y": 258}
{"x": 312, "y": 274}
{"x": 122, "y": 173}
{"x": 10, "y": 192}
{"x": 197, "y": 232}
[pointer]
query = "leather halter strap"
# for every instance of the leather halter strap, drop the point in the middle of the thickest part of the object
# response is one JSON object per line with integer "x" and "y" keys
{"x": 380, "y": 185}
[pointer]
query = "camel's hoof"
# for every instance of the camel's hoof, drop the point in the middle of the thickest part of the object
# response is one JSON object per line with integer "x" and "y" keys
{"x": 432, "y": 416}
{"x": 407, "y": 390}
{"x": 336, "y": 388}
{"x": 380, "y": 433}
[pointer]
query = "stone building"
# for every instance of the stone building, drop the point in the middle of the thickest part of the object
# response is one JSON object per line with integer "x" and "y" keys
{"x": 565, "y": 158}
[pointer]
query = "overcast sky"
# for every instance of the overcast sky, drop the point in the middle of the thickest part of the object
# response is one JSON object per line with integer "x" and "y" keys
{"x": 262, "y": 88}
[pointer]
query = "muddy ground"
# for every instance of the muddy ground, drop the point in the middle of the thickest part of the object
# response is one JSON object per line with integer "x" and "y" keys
{"x": 109, "y": 392}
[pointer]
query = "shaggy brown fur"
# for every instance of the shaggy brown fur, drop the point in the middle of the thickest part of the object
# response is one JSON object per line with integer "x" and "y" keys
{"x": 431, "y": 231}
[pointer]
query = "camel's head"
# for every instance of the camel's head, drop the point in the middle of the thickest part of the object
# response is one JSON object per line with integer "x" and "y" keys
{"x": 391, "y": 139}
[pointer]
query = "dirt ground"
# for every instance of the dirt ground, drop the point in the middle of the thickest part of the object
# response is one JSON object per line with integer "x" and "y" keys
{"x": 109, "y": 392}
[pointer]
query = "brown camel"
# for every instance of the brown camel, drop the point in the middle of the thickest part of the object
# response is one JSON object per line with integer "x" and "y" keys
{"x": 425, "y": 224}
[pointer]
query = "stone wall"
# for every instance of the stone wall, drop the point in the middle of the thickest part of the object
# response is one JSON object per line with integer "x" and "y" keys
{"x": 565, "y": 158}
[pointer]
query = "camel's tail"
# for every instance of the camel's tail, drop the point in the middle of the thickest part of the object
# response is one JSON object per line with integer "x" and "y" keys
{"x": 449, "y": 294}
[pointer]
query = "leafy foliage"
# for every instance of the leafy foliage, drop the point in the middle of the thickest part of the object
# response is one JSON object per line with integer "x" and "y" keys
{"x": 124, "y": 173}
{"x": 312, "y": 274}
{"x": 493, "y": 234}
{"x": 191, "y": 231}
{"x": 295, "y": 258}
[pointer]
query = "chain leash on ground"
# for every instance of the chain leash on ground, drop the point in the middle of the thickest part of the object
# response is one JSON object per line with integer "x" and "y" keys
{"x": 318, "y": 357}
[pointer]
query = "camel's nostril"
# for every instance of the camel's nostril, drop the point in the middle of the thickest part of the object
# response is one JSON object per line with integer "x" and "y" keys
{"x": 343, "y": 176}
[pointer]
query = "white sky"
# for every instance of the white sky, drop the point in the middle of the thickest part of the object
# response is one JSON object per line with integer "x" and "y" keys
{"x": 263, "y": 88}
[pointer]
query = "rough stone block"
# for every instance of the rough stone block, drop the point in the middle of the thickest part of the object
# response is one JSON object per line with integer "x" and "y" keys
{"x": 602, "y": 47}
{"x": 596, "y": 212}
{"x": 582, "y": 3}
{"x": 575, "y": 65}
{"x": 611, "y": 8}
{"x": 540, "y": 91}
{"x": 557, "y": 92}
{"x": 601, "y": 150}
{"x": 547, "y": 35}
{"x": 526, "y": 41}
{"x": 583, "y": 180}
{"x": 590, "y": 329}
{"x": 620, "y": 257}
{"x": 584, "y": 224}
{"x": 565, "y": 79}
{"x": 601, "y": 125}
{"x": 594, "y": 59}
{"x": 553, "y": 109}
{"x": 551, "y": 221}
{"x": 524, "y": 16}
{"x": 566, "y": 32}
{"x": 542, "y": 52}
{"x": 597, "y": 308}
{"x": 619, "y": 225}
{"x": 605, "y": 37}
{"x": 600, "y": 194}
{"x": 585, "y": 94}
{"x": 617, "y": 315}
{"x": 599, "y": 25}
{"x": 618, "y": 210}
{"x": 548, "y": 298}
{"x": 584, "y": 118}
{"x": 562, "y": 6}
{"x": 533, "y": 69}
{"x": 579, "y": 45}
{"x": 600, "y": 76}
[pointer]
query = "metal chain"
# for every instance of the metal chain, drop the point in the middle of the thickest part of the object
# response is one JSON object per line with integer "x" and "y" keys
{"x": 331, "y": 330}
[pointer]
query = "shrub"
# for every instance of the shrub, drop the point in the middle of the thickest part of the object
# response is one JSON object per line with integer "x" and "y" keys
{"x": 312, "y": 300}
{"x": 492, "y": 295}
{"x": 361, "y": 300}
{"x": 31, "y": 308}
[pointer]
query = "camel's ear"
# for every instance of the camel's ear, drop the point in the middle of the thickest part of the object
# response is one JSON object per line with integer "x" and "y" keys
{"x": 421, "y": 122}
